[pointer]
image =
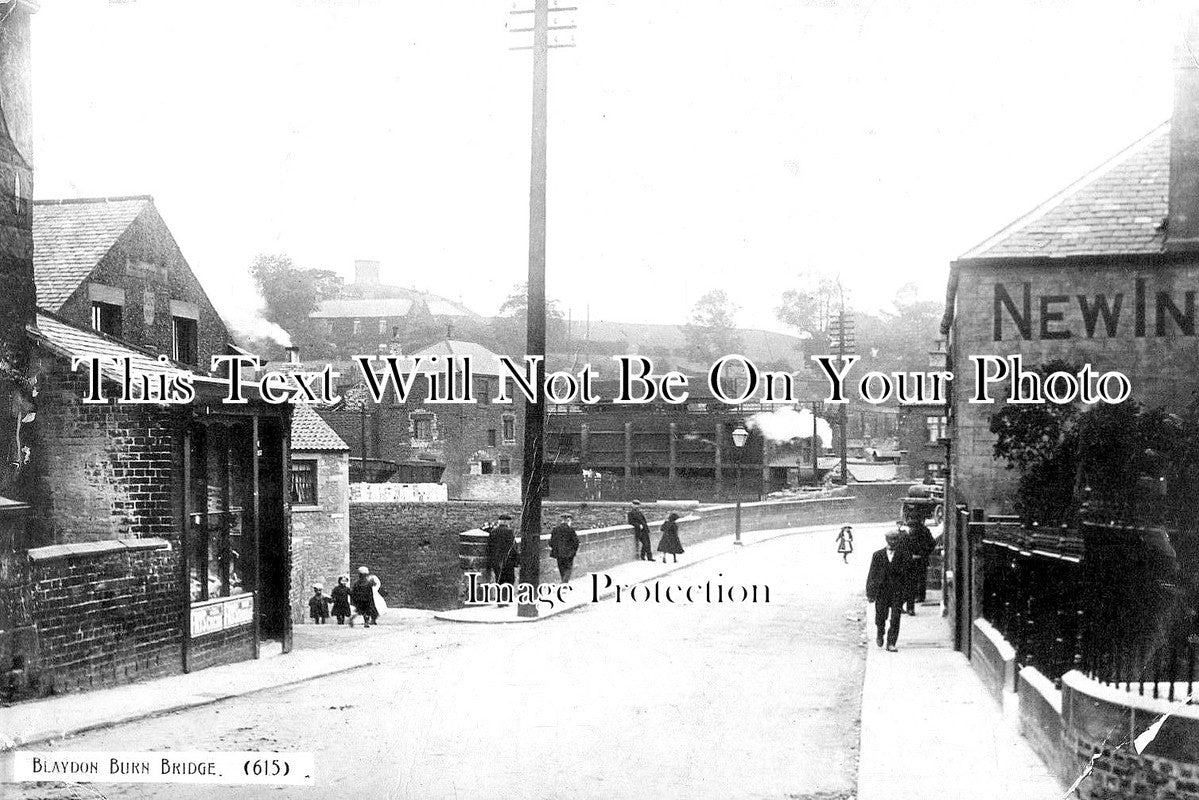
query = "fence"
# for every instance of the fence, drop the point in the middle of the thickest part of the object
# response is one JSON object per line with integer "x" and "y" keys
{"x": 1115, "y": 602}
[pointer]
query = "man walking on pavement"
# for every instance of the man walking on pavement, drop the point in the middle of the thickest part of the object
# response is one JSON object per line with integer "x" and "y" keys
{"x": 641, "y": 532}
{"x": 887, "y": 586}
{"x": 564, "y": 544}
{"x": 502, "y": 555}
{"x": 922, "y": 544}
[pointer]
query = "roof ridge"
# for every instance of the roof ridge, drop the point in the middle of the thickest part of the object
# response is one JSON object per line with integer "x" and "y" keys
{"x": 1069, "y": 191}
{"x": 64, "y": 201}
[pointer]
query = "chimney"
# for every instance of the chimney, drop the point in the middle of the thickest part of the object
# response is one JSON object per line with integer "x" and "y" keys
{"x": 366, "y": 273}
{"x": 16, "y": 252}
{"x": 1182, "y": 222}
{"x": 293, "y": 354}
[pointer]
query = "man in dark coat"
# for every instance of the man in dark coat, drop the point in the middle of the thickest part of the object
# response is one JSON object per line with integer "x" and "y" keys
{"x": 640, "y": 532}
{"x": 887, "y": 586}
{"x": 502, "y": 555}
{"x": 564, "y": 544}
{"x": 921, "y": 542}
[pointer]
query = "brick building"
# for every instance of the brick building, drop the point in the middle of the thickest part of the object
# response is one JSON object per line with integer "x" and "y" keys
{"x": 923, "y": 431}
{"x": 137, "y": 539}
{"x": 319, "y": 489}
{"x": 474, "y": 449}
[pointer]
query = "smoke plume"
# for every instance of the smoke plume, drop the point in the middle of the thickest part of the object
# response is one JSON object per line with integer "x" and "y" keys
{"x": 786, "y": 424}
{"x": 241, "y": 306}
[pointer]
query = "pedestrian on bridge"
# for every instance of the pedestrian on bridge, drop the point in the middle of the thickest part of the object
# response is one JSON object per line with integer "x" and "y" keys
{"x": 887, "y": 586}
{"x": 670, "y": 542}
{"x": 640, "y": 532}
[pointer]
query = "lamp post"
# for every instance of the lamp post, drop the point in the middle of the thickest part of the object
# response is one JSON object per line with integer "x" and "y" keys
{"x": 740, "y": 435}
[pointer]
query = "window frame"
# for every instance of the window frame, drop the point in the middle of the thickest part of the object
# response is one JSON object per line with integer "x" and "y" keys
{"x": 177, "y": 352}
{"x": 102, "y": 310}
{"x": 310, "y": 465}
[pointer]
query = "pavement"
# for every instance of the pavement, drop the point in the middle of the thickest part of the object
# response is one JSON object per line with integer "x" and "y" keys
{"x": 928, "y": 728}
{"x": 72, "y": 714}
{"x": 592, "y": 587}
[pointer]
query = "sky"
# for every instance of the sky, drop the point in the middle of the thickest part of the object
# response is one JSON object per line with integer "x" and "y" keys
{"x": 693, "y": 144}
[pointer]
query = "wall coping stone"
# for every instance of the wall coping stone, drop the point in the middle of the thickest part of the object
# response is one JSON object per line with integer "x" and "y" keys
{"x": 1080, "y": 683}
{"x": 57, "y": 552}
{"x": 1005, "y": 650}
{"x": 476, "y": 533}
{"x": 1043, "y": 686}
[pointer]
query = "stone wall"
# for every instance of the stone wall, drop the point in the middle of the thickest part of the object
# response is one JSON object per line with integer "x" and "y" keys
{"x": 320, "y": 534}
{"x": 398, "y": 493}
{"x": 420, "y": 550}
{"x": 1142, "y": 339}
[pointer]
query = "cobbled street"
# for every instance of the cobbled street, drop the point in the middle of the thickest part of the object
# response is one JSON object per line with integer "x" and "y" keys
{"x": 617, "y": 700}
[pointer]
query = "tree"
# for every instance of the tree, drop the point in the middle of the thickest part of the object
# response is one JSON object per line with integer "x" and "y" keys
{"x": 902, "y": 337}
{"x": 711, "y": 332}
{"x": 811, "y": 309}
{"x": 510, "y": 326}
{"x": 292, "y": 294}
{"x": 1041, "y": 442}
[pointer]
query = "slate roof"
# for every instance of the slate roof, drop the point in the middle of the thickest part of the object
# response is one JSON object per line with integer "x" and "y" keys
{"x": 311, "y": 433}
{"x": 482, "y": 360}
{"x": 71, "y": 236}
{"x": 72, "y": 341}
{"x": 1117, "y": 208}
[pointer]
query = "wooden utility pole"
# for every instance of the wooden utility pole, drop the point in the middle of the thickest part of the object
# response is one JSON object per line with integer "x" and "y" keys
{"x": 532, "y": 478}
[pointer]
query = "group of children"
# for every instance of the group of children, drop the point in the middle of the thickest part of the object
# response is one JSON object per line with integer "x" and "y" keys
{"x": 362, "y": 599}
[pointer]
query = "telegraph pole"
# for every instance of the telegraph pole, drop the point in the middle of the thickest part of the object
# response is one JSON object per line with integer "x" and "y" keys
{"x": 532, "y": 480}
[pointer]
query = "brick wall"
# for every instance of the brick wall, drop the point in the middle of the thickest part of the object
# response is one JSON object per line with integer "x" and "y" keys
{"x": 106, "y": 613}
{"x": 1100, "y": 720}
{"x": 108, "y": 471}
{"x": 320, "y": 535}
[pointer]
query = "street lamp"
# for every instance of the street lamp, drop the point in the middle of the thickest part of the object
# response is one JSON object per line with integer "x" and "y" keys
{"x": 740, "y": 435}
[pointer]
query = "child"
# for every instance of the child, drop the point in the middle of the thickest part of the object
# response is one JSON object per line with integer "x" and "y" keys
{"x": 318, "y": 604}
{"x": 341, "y": 599}
{"x": 845, "y": 543}
{"x": 362, "y": 595}
{"x": 669, "y": 543}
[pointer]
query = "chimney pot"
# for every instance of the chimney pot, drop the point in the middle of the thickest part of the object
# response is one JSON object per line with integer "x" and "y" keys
{"x": 293, "y": 354}
{"x": 1182, "y": 222}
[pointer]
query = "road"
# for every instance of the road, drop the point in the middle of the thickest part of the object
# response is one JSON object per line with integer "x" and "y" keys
{"x": 616, "y": 700}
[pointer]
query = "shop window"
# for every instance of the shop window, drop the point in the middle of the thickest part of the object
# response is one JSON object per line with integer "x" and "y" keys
{"x": 303, "y": 483}
{"x": 492, "y": 438}
{"x": 509, "y": 429}
{"x": 487, "y": 467}
{"x": 934, "y": 470}
{"x": 936, "y": 427}
{"x": 186, "y": 340}
{"x": 505, "y": 466}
